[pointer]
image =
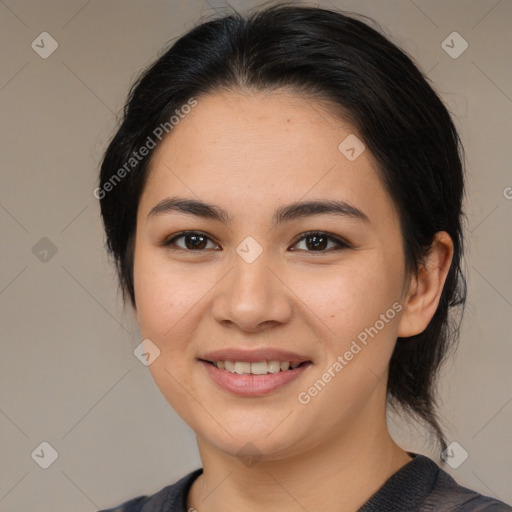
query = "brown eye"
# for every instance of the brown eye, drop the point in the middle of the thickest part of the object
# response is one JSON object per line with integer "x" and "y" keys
{"x": 318, "y": 241}
{"x": 192, "y": 241}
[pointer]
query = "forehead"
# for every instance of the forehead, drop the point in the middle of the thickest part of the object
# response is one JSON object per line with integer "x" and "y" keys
{"x": 278, "y": 127}
{"x": 240, "y": 148}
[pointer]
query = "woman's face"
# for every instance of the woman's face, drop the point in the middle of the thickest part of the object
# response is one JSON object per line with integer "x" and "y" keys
{"x": 254, "y": 281}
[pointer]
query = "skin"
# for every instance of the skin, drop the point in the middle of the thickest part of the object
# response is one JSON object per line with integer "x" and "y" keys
{"x": 250, "y": 153}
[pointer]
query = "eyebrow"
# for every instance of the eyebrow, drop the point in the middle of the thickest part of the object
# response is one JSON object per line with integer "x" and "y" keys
{"x": 282, "y": 214}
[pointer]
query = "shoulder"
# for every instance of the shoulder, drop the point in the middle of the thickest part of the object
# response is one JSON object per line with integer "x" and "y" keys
{"x": 422, "y": 486}
{"x": 458, "y": 498}
{"x": 171, "y": 498}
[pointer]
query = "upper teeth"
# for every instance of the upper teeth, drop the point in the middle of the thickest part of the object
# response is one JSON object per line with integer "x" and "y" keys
{"x": 259, "y": 368}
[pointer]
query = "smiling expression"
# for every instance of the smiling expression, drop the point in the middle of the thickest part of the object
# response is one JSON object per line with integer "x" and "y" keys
{"x": 292, "y": 247}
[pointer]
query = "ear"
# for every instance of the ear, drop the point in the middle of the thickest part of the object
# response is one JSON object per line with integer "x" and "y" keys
{"x": 425, "y": 289}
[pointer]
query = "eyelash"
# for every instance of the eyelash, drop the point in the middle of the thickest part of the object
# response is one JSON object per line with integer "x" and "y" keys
{"x": 341, "y": 244}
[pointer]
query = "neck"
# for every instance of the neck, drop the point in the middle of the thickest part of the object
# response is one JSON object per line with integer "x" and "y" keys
{"x": 341, "y": 473}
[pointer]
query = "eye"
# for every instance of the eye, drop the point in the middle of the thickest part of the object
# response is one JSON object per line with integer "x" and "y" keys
{"x": 317, "y": 241}
{"x": 192, "y": 241}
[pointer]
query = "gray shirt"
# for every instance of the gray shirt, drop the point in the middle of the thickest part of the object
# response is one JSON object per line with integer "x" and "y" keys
{"x": 419, "y": 486}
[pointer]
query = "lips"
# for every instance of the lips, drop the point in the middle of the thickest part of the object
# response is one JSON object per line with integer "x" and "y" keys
{"x": 249, "y": 384}
{"x": 252, "y": 385}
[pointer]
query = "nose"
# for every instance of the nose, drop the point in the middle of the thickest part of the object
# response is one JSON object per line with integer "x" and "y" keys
{"x": 253, "y": 296}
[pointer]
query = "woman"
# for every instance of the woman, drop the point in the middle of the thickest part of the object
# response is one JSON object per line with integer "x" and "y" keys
{"x": 283, "y": 203}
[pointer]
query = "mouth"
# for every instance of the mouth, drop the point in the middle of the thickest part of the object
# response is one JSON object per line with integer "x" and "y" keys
{"x": 264, "y": 367}
{"x": 253, "y": 378}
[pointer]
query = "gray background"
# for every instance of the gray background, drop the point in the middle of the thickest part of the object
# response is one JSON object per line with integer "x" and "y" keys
{"x": 67, "y": 369}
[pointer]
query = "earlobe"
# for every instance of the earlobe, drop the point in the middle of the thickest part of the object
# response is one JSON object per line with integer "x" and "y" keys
{"x": 422, "y": 299}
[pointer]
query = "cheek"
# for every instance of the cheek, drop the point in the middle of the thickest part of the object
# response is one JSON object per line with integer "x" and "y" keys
{"x": 349, "y": 298}
{"x": 167, "y": 295}
{"x": 168, "y": 311}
